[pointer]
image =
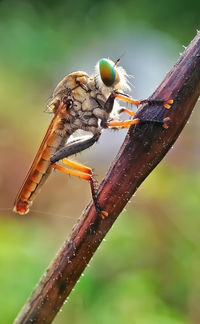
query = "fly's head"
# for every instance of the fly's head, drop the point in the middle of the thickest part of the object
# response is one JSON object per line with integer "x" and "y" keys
{"x": 111, "y": 77}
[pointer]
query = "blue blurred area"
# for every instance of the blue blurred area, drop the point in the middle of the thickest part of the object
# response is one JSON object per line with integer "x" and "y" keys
{"x": 147, "y": 271}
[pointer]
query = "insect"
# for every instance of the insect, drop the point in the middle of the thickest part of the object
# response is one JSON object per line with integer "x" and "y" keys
{"x": 80, "y": 102}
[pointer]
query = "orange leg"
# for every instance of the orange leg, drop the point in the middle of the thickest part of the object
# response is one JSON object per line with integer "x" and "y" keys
{"x": 77, "y": 174}
{"x": 166, "y": 103}
{"x": 123, "y": 124}
{"x": 127, "y": 99}
{"x": 84, "y": 173}
{"x": 127, "y": 111}
{"x": 78, "y": 166}
{"x": 165, "y": 120}
{"x": 128, "y": 123}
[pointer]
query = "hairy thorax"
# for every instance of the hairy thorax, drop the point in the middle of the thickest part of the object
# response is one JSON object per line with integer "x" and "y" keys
{"x": 86, "y": 102}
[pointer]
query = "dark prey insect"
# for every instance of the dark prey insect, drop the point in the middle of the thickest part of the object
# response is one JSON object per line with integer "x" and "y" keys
{"x": 80, "y": 102}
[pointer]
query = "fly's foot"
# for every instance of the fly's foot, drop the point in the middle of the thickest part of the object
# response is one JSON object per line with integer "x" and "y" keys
{"x": 165, "y": 103}
{"x": 93, "y": 186}
{"x": 103, "y": 214}
{"x": 168, "y": 103}
{"x": 165, "y": 122}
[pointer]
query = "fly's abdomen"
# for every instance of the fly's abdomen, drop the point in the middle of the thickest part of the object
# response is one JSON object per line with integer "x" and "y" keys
{"x": 39, "y": 171}
{"x": 32, "y": 185}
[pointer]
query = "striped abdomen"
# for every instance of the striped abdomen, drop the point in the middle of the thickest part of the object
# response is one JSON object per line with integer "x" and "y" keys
{"x": 41, "y": 167}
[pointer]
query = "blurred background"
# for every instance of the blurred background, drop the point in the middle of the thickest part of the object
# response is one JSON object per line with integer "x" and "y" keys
{"x": 147, "y": 270}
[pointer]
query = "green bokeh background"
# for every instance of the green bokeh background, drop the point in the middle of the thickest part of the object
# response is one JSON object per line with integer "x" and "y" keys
{"x": 147, "y": 269}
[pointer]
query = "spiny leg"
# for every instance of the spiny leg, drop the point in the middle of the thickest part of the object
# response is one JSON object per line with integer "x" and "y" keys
{"x": 166, "y": 103}
{"x": 91, "y": 179}
{"x": 78, "y": 166}
{"x": 93, "y": 187}
{"x": 165, "y": 122}
{"x": 85, "y": 176}
{"x": 83, "y": 171}
{"x": 78, "y": 174}
{"x": 128, "y": 123}
{"x": 127, "y": 111}
{"x": 123, "y": 124}
{"x": 108, "y": 106}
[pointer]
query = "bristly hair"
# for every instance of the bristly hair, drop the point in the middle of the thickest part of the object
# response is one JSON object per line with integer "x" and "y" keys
{"x": 124, "y": 81}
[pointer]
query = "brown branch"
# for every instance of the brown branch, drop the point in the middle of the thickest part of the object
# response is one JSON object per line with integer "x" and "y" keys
{"x": 144, "y": 147}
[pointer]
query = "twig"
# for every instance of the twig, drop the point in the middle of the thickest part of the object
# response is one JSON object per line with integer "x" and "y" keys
{"x": 144, "y": 147}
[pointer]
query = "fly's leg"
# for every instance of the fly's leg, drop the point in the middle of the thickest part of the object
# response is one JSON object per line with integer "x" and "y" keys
{"x": 82, "y": 172}
{"x": 108, "y": 106}
{"x": 110, "y": 102}
{"x": 80, "y": 167}
{"x": 122, "y": 124}
{"x": 166, "y": 103}
{"x": 127, "y": 111}
{"x": 78, "y": 174}
{"x": 74, "y": 148}
{"x": 93, "y": 187}
{"x": 126, "y": 124}
{"x": 86, "y": 175}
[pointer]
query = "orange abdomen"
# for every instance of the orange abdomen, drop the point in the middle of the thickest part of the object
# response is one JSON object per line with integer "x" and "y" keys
{"x": 41, "y": 167}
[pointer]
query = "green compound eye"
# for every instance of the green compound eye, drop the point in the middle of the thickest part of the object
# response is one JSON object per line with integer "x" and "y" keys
{"x": 107, "y": 72}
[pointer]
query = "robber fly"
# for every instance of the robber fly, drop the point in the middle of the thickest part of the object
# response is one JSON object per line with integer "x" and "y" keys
{"x": 79, "y": 102}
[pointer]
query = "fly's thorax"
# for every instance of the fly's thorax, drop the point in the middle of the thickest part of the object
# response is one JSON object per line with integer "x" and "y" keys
{"x": 66, "y": 87}
{"x": 100, "y": 95}
{"x": 87, "y": 106}
{"x": 83, "y": 120}
{"x": 98, "y": 90}
{"x": 70, "y": 82}
{"x": 87, "y": 97}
